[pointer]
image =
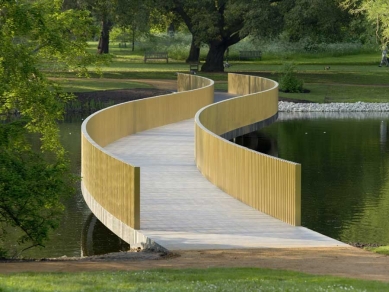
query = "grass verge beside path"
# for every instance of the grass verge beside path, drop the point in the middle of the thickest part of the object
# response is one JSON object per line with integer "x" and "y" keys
{"x": 380, "y": 249}
{"x": 213, "y": 279}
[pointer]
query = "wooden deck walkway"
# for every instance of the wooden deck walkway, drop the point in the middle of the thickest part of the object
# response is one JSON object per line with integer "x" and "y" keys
{"x": 182, "y": 210}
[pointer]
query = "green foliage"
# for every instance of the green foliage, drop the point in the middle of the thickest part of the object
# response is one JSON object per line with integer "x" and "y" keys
{"x": 376, "y": 14}
{"x": 31, "y": 187}
{"x": 177, "y": 46}
{"x": 34, "y": 33}
{"x": 120, "y": 35}
{"x": 221, "y": 24}
{"x": 305, "y": 48}
{"x": 133, "y": 15}
{"x": 288, "y": 81}
{"x": 3, "y": 253}
{"x": 318, "y": 20}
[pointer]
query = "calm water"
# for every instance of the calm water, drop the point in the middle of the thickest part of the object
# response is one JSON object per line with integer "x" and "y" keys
{"x": 80, "y": 233}
{"x": 345, "y": 170}
{"x": 345, "y": 180}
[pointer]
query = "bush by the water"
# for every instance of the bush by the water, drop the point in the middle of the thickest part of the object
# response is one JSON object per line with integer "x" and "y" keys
{"x": 288, "y": 82}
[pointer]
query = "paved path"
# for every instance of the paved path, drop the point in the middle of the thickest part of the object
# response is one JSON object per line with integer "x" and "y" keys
{"x": 181, "y": 210}
{"x": 345, "y": 262}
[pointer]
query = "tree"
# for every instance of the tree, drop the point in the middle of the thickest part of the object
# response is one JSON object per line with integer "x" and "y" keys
{"x": 223, "y": 23}
{"x": 31, "y": 188}
{"x": 102, "y": 11}
{"x": 186, "y": 12}
{"x": 319, "y": 20}
{"x": 124, "y": 13}
{"x": 135, "y": 16}
{"x": 376, "y": 13}
{"x": 34, "y": 34}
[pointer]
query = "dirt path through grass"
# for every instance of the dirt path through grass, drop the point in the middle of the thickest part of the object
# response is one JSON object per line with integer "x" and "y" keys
{"x": 345, "y": 262}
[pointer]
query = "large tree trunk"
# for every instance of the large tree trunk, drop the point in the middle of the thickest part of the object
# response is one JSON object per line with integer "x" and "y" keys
{"x": 194, "y": 53}
{"x": 103, "y": 47}
{"x": 214, "y": 61}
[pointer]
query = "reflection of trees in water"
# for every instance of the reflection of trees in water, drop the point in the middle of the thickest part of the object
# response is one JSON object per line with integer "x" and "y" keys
{"x": 345, "y": 171}
{"x": 97, "y": 239}
{"x": 383, "y": 132}
{"x": 259, "y": 142}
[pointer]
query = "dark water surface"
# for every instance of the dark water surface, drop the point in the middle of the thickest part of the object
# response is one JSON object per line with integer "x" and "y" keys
{"x": 345, "y": 170}
{"x": 80, "y": 233}
{"x": 345, "y": 180}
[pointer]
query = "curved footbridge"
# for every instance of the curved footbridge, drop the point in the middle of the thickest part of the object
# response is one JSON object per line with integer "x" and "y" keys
{"x": 160, "y": 171}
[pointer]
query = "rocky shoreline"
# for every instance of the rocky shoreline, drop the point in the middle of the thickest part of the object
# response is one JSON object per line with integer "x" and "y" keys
{"x": 285, "y": 106}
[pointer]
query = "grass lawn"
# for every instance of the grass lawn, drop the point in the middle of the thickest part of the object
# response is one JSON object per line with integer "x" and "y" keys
{"x": 380, "y": 249}
{"x": 371, "y": 83}
{"x": 214, "y": 279}
{"x": 93, "y": 84}
{"x": 340, "y": 93}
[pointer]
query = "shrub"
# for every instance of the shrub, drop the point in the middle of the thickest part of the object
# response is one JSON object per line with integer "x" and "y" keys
{"x": 288, "y": 82}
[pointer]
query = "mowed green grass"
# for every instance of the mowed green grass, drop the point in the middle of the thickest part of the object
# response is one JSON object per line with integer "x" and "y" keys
{"x": 97, "y": 84}
{"x": 350, "y": 78}
{"x": 214, "y": 279}
{"x": 325, "y": 93}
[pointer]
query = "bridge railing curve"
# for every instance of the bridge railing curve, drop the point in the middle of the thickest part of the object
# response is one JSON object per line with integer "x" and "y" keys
{"x": 266, "y": 183}
{"x": 110, "y": 186}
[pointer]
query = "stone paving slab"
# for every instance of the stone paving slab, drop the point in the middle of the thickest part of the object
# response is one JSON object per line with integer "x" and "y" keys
{"x": 182, "y": 210}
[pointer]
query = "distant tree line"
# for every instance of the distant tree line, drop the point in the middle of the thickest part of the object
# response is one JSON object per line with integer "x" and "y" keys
{"x": 223, "y": 23}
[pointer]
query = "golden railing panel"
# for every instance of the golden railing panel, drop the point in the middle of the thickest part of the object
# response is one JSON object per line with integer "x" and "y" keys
{"x": 266, "y": 183}
{"x": 113, "y": 183}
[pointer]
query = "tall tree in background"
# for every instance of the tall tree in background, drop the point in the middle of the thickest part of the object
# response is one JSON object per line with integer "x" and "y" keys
{"x": 103, "y": 11}
{"x": 123, "y": 13}
{"x": 223, "y": 23}
{"x": 133, "y": 15}
{"x": 376, "y": 12}
{"x": 187, "y": 13}
{"x": 319, "y": 20}
{"x": 34, "y": 34}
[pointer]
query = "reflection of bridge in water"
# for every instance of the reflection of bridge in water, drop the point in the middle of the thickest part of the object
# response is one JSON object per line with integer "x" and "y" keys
{"x": 96, "y": 239}
{"x": 181, "y": 209}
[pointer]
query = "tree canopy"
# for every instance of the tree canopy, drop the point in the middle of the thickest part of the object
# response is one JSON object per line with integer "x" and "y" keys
{"x": 132, "y": 14}
{"x": 376, "y": 13}
{"x": 223, "y": 23}
{"x": 319, "y": 20}
{"x": 33, "y": 35}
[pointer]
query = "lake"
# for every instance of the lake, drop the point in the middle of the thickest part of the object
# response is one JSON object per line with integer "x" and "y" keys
{"x": 345, "y": 170}
{"x": 345, "y": 180}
